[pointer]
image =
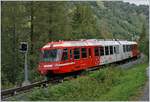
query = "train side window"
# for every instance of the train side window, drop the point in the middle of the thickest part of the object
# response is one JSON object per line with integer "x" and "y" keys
{"x": 111, "y": 50}
{"x": 84, "y": 53}
{"x": 130, "y": 47}
{"x": 89, "y": 52}
{"x": 133, "y": 47}
{"x": 76, "y": 53}
{"x": 106, "y": 50}
{"x": 96, "y": 51}
{"x": 123, "y": 48}
{"x": 71, "y": 53}
{"x": 102, "y": 51}
{"x": 114, "y": 49}
{"x": 65, "y": 54}
{"x": 126, "y": 48}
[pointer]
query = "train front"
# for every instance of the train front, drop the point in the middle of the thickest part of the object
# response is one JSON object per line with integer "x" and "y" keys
{"x": 49, "y": 60}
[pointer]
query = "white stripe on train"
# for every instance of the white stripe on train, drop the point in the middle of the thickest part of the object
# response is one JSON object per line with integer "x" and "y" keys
{"x": 58, "y": 65}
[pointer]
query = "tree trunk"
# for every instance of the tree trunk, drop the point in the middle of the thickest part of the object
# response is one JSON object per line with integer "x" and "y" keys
{"x": 14, "y": 51}
{"x": 31, "y": 34}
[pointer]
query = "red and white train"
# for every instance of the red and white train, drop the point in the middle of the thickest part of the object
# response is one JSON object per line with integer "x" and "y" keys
{"x": 71, "y": 56}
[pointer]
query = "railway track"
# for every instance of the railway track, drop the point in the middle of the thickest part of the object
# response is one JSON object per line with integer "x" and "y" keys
{"x": 14, "y": 91}
{"x": 17, "y": 90}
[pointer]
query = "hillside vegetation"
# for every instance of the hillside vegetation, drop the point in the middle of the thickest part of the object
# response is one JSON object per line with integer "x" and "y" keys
{"x": 41, "y": 22}
{"x": 109, "y": 84}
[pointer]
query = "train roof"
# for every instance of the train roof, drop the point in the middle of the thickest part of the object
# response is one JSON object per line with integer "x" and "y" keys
{"x": 89, "y": 42}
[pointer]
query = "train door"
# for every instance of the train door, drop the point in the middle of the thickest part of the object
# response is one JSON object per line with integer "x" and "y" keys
{"x": 84, "y": 58}
{"x": 71, "y": 55}
{"x": 96, "y": 58}
{"x": 65, "y": 58}
{"x": 112, "y": 57}
{"x": 106, "y": 57}
{"x": 117, "y": 53}
{"x": 125, "y": 51}
{"x": 102, "y": 55}
{"x": 77, "y": 57}
{"x": 109, "y": 55}
{"x": 90, "y": 59}
{"x": 65, "y": 62}
{"x": 130, "y": 51}
{"x": 129, "y": 54}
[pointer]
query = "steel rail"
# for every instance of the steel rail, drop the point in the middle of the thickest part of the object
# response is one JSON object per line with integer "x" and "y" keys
{"x": 13, "y": 91}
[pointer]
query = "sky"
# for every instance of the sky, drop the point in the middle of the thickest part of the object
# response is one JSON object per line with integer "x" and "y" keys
{"x": 138, "y": 2}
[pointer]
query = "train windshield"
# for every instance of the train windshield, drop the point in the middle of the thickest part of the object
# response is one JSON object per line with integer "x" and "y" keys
{"x": 51, "y": 55}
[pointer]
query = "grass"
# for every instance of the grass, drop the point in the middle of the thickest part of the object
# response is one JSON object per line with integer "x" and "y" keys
{"x": 6, "y": 85}
{"x": 109, "y": 84}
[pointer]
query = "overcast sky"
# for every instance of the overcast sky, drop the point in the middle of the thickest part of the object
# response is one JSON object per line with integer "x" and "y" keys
{"x": 138, "y": 2}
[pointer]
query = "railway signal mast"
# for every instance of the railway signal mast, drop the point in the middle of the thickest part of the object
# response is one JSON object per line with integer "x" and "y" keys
{"x": 24, "y": 49}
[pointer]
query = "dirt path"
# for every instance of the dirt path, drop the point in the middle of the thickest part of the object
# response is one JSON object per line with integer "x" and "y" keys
{"x": 145, "y": 93}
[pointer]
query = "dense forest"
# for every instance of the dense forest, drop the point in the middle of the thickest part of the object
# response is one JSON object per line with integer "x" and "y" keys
{"x": 40, "y": 22}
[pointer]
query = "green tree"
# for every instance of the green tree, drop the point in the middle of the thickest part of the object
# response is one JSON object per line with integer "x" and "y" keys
{"x": 144, "y": 40}
{"x": 84, "y": 22}
{"x": 11, "y": 27}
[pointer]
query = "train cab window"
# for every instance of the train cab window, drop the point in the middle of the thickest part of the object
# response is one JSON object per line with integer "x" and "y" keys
{"x": 89, "y": 52}
{"x": 106, "y": 50}
{"x": 96, "y": 51}
{"x": 77, "y": 53}
{"x": 65, "y": 54}
{"x": 102, "y": 51}
{"x": 84, "y": 53}
{"x": 111, "y": 50}
{"x": 52, "y": 55}
{"x": 71, "y": 54}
